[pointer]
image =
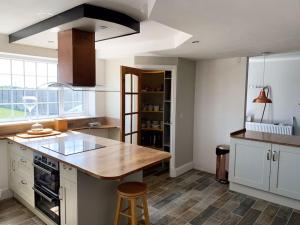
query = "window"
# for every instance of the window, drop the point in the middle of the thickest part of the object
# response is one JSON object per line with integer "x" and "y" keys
{"x": 24, "y": 76}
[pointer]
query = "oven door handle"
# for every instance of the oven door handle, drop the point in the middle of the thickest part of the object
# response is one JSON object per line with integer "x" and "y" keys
{"x": 42, "y": 194}
{"x": 41, "y": 168}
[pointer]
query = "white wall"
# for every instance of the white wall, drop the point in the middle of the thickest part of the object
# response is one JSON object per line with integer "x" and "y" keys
{"x": 108, "y": 76}
{"x": 219, "y": 107}
{"x": 282, "y": 74}
{"x": 112, "y": 82}
{"x": 185, "y": 92}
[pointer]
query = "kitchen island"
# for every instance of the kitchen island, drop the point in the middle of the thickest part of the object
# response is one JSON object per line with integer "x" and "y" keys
{"x": 266, "y": 166}
{"x": 88, "y": 180}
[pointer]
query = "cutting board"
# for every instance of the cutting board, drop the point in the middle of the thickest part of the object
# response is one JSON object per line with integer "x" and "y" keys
{"x": 26, "y": 135}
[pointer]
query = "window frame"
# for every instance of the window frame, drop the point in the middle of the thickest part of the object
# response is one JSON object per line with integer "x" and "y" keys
{"x": 60, "y": 92}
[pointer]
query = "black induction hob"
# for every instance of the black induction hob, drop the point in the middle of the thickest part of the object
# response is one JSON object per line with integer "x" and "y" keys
{"x": 72, "y": 146}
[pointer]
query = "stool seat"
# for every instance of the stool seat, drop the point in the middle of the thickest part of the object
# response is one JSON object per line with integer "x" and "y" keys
{"x": 132, "y": 189}
{"x": 131, "y": 192}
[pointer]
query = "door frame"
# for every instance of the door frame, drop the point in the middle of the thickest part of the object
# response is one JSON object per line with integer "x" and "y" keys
{"x": 173, "y": 69}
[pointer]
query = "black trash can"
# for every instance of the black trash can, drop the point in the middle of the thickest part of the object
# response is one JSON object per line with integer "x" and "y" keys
{"x": 221, "y": 172}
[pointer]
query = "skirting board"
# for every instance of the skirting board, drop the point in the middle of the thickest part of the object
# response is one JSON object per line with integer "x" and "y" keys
{"x": 174, "y": 172}
{"x": 199, "y": 167}
{"x": 5, "y": 193}
{"x": 292, "y": 203}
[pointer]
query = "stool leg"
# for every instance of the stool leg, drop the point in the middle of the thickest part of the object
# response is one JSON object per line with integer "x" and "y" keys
{"x": 146, "y": 212}
{"x": 118, "y": 210}
{"x": 133, "y": 212}
{"x": 129, "y": 212}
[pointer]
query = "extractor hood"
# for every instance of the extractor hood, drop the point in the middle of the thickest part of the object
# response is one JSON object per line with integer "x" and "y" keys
{"x": 74, "y": 32}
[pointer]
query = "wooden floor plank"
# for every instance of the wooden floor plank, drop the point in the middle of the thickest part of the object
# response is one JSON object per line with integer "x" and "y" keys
{"x": 191, "y": 199}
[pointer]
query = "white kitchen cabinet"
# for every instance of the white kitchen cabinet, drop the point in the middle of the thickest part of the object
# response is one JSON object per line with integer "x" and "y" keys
{"x": 285, "y": 169}
{"x": 21, "y": 172}
{"x": 68, "y": 195}
{"x": 250, "y": 163}
{"x": 265, "y": 170}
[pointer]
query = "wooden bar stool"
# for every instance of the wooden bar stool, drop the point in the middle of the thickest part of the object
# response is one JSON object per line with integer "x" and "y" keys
{"x": 131, "y": 192}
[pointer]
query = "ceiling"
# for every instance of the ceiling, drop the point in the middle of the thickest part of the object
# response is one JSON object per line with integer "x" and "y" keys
{"x": 231, "y": 28}
{"x": 228, "y": 28}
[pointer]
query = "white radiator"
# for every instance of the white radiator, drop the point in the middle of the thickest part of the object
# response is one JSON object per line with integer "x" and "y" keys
{"x": 270, "y": 128}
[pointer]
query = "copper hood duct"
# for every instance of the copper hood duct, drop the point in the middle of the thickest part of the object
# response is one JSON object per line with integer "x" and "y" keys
{"x": 76, "y": 58}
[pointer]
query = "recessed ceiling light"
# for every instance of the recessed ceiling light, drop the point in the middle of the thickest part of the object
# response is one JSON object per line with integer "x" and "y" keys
{"x": 55, "y": 30}
{"x": 195, "y": 42}
{"x": 44, "y": 14}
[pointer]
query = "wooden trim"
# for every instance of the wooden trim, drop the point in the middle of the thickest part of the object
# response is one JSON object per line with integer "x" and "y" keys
{"x": 160, "y": 72}
{"x": 130, "y": 133}
{"x": 238, "y": 132}
{"x": 76, "y": 13}
{"x": 132, "y": 113}
{"x": 133, "y": 72}
{"x": 132, "y": 93}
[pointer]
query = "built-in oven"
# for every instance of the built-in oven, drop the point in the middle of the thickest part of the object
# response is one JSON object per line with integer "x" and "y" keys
{"x": 46, "y": 186}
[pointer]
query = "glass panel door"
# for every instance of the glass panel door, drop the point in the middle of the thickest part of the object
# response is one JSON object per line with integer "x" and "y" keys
{"x": 130, "y": 98}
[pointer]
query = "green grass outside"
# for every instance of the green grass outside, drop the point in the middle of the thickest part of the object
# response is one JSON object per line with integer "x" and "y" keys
{"x": 7, "y": 113}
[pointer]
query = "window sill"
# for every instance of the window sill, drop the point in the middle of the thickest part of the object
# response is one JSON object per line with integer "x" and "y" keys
{"x": 22, "y": 122}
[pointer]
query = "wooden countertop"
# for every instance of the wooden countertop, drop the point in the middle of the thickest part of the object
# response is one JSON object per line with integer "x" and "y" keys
{"x": 115, "y": 161}
{"x": 289, "y": 140}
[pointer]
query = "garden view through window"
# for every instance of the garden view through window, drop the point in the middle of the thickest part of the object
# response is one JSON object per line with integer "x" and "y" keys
{"x": 21, "y": 77}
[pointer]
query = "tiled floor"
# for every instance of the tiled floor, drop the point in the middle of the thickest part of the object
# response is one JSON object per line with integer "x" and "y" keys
{"x": 196, "y": 198}
{"x": 13, "y": 213}
{"x": 191, "y": 199}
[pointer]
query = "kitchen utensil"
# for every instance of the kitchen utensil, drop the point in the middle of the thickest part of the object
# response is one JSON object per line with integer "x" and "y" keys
{"x": 61, "y": 125}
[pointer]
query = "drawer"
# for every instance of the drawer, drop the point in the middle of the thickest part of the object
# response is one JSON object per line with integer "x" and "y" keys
{"x": 68, "y": 172}
{"x": 23, "y": 188}
{"x": 24, "y": 152}
{"x": 24, "y": 165}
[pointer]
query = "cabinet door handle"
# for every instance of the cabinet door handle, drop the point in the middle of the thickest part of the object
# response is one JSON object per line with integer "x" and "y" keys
{"x": 274, "y": 156}
{"x": 269, "y": 155}
{"x": 23, "y": 160}
{"x": 23, "y": 182}
{"x": 10, "y": 142}
{"x": 65, "y": 200}
{"x": 13, "y": 165}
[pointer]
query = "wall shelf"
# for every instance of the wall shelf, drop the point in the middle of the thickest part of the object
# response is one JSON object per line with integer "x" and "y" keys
{"x": 152, "y": 129}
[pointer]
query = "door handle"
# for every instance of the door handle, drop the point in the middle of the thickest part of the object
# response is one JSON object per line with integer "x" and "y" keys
{"x": 23, "y": 160}
{"x": 23, "y": 182}
{"x": 269, "y": 155}
{"x": 43, "y": 195}
{"x": 41, "y": 168}
{"x": 274, "y": 156}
